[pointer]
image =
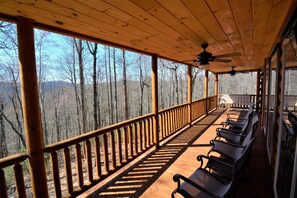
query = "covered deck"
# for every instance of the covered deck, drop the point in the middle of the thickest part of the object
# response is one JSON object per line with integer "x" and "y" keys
{"x": 146, "y": 151}
{"x": 151, "y": 176}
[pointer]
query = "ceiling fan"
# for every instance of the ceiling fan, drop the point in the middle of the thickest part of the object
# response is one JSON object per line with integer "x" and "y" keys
{"x": 205, "y": 57}
{"x": 232, "y": 72}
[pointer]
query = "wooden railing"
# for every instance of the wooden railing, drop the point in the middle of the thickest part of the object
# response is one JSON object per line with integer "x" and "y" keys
{"x": 203, "y": 106}
{"x": 15, "y": 161}
{"x": 236, "y": 100}
{"x": 78, "y": 163}
{"x": 112, "y": 148}
{"x": 198, "y": 108}
{"x": 290, "y": 102}
{"x": 172, "y": 119}
{"x": 211, "y": 103}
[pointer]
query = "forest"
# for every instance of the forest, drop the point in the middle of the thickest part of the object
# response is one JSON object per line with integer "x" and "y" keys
{"x": 85, "y": 86}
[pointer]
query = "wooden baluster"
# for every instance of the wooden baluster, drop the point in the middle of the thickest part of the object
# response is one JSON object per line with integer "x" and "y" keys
{"x": 181, "y": 111}
{"x": 3, "y": 187}
{"x": 19, "y": 180}
{"x": 98, "y": 156}
{"x": 56, "y": 174}
{"x": 165, "y": 124}
{"x": 130, "y": 128}
{"x": 173, "y": 113}
{"x": 120, "y": 158}
{"x": 140, "y": 135}
{"x": 89, "y": 160}
{"x": 185, "y": 115}
{"x": 149, "y": 137}
{"x": 179, "y": 118}
{"x": 105, "y": 152}
{"x": 161, "y": 124}
{"x": 79, "y": 165}
{"x": 152, "y": 131}
{"x": 135, "y": 139}
{"x": 171, "y": 121}
{"x": 125, "y": 144}
{"x": 67, "y": 164}
{"x": 112, "y": 147}
{"x": 147, "y": 133}
{"x": 144, "y": 135}
{"x": 168, "y": 122}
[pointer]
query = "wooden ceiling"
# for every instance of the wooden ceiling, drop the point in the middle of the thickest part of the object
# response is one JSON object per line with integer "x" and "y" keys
{"x": 173, "y": 29}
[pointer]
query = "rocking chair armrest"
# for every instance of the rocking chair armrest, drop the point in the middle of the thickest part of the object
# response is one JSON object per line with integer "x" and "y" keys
{"x": 200, "y": 159}
{"x": 228, "y": 130}
{"x": 229, "y": 133}
{"x": 236, "y": 118}
{"x": 212, "y": 142}
{"x": 178, "y": 177}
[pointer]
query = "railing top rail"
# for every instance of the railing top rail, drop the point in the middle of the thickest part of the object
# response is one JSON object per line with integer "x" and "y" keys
{"x": 11, "y": 160}
{"x": 238, "y": 94}
{"x": 92, "y": 134}
{"x": 202, "y": 99}
{"x": 174, "y": 107}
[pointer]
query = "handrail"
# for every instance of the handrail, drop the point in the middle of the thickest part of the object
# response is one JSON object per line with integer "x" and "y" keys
{"x": 173, "y": 107}
{"x": 11, "y": 160}
{"x": 92, "y": 134}
{"x": 19, "y": 183}
{"x": 201, "y": 99}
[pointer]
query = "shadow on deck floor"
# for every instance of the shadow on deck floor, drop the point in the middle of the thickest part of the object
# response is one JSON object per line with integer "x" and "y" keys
{"x": 138, "y": 178}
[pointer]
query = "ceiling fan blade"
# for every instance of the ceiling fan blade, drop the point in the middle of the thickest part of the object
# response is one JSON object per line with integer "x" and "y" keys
{"x": 221, "y": 60}
{"x": 194, "y": 60}
{"x": 228, "y": 55}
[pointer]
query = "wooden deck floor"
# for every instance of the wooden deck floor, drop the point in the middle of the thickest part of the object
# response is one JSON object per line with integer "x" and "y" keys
{"x": 152, "y": 175}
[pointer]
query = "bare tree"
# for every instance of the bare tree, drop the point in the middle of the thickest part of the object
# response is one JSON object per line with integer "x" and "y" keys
{"x": 110, "y": 87}
{"x": 93, "y": 50}
{"x": 107, "y": 86}
{"x": 79, "y": 49}
{"x": 142, "y": 84}
{"x": 40, "y": 42}
{"x": 67, "y": 62}
{"x": 115, "y": 86}
{"x": 125, "y": 86}
{"x": 3, "y": 143}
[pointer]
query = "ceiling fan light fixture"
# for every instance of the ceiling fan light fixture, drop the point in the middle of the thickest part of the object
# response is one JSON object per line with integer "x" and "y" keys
{"x": 204, "y": 67}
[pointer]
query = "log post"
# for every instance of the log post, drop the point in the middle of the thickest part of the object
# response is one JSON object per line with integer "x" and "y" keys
{"x": 258, "y": 91}
{"x": 216, "y": 91}
{"x": 206, "y": 91}
{"x": 189, "y": 95}
{"x": 155, "y": 99}
{"x": 31, "y": 108}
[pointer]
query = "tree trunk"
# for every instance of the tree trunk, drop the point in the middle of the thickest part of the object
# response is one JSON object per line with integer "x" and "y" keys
{"x": 107, "y": 88}
{"x": 110, "y": 87}
{"x": 125, "y": 86}
{"x": 57, "y": 123}
{"x": 79, "y": 49}
{"x": 3, "y": 143}
{"x": 74, "y": 83}
{"x": 141, "y": 83}
{"x": 176, "y": 84}
{"x": 115, "y": 86}
{"x": 93, "y": 51}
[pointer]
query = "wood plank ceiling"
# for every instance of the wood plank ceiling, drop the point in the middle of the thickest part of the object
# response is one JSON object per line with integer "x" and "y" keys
{"x": 173, "y": 29}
